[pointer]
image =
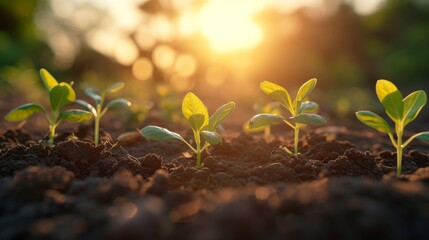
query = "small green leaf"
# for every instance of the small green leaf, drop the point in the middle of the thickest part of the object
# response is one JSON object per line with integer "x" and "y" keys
{"x": 195, "y": 111}
{"x": 424, "y": 136}
{"x": 212, "y": 138}
{"x": 391, "y": 99}
{"x": 160, "y": 134}
{"x": 247, "y": 129}
{"x": 48, "y": 80}
{"x": 61, "y": 95}
{"x": 279, "y": 93}
{"x": 94, "y": 94}
{"x": 306, "y": 89}
{"x": 413, "y": 103}
{"x": 75, "y": 115}
{"x": 23, "y": 112}
{"x": 220, "y": 114}
{"x": 374, "y": 121}
{"x": 309, "y": 118}
{"x": 87, "y": 106}
{"x": 115, "y": 87}
{"x": 118, "y": 103}
{"x": 308, "y": 107}
{"x": 264, "y": 119}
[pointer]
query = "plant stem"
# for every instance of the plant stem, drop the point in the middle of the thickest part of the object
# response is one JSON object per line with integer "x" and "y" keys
{"x": 267, "y": 132}
{"x": 96, "y": 130}
{"x": 399, "y": 149}
{"x": 198, "y": 150}
{"x": 296, "y": 139}
{"x": 51, "y": 134}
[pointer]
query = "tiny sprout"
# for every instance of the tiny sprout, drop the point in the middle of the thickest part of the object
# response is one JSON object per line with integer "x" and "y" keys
{"x": 301, "y": 110}
{"x": 98, "y": 110}
{"x": 196, "y": 114}
{"x": 401, "y": 111}
{"x": 60, "y": 95}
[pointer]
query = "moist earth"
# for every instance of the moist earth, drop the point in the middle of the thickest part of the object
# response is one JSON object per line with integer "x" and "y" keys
{"x": 248, "y": 188}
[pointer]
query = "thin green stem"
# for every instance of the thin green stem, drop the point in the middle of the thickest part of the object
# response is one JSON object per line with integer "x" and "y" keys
{"x": 96, "y": 130}
{"x": 198, "y": 150}
{"x": 399, "y": 161}
{"x": 399, "y": 149}
{"x": 296, "y": 139}
{"x": 97, "y": 120}
{"x": 52, "y": 128}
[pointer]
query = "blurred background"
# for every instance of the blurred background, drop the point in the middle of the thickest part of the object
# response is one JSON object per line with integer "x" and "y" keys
{"x": 219, "y": 49}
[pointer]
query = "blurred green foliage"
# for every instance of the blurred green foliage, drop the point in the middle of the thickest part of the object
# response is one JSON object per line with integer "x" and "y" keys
{"x": 341, "y": 48}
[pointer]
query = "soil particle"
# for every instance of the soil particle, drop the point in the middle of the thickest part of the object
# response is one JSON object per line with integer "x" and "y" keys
{"x": 150, "y": 163}
{"x": 32, "y": 183}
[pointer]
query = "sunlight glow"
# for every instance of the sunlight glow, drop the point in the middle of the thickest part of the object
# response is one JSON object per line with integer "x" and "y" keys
{"x": 229, "y": 25}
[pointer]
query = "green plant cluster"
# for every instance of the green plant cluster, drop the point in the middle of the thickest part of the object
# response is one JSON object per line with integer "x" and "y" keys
{"x": 401, "y": 111}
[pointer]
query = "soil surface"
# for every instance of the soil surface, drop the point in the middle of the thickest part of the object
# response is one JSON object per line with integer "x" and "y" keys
{"x": 341, "y": 186}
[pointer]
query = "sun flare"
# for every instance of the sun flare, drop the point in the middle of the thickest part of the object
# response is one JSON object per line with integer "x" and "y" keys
{"x": 229, "y": 26}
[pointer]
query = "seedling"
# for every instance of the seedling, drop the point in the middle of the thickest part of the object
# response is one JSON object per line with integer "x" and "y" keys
{"x": 60, "y": 95}
{"x": 301, "y": 110}
{"x": 98, "y": 110}
{"x": 401, "y": 111}
{"x": 203, "y": 127}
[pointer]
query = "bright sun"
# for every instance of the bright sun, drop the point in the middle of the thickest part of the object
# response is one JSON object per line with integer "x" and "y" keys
{"x": 228, "y": 25}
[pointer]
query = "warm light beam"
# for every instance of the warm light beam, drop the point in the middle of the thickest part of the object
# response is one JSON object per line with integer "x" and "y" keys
{"x": 229, "y": 26}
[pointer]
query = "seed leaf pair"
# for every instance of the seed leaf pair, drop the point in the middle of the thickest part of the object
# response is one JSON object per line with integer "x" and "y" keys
{"x": 400, "y": 110}
{"x": 196, "y": 113}
{"x": 60, "y": 95}
{"x": 301, "y": 110}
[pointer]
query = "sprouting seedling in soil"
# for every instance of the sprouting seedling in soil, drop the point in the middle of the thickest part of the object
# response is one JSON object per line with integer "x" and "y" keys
{"x": 99, "y": 109}
{"x": 272, "y": 108}
{"x": 203, "y": 126}
{"x": 300, "y": 109}
{"x": 60, "y": 95}
{"x": 401, "y": 111}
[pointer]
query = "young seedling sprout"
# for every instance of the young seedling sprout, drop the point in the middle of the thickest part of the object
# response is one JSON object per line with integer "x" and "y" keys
{"x": 301, "y": 110}
{"x": 203, "y": 126}
{"x": 401, "y": 111}
{"x": 98, "y": 110}
{"x": 60, "y": 95}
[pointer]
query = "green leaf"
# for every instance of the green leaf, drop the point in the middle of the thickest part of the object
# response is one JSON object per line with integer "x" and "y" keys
{"x": 115, "y": 87}
{"x": 212, "y": 138}
{"x": 413, "y": 103}
{"x": 87, "y": 106}
{"x": 306, "y": 89}
{"x": 48, "y": 80}
{"x": 94, "y": 94}
{"x": 160, "y": 134}
{"x": 247, "y": 129}
{"x": 75, "y": 115}
{"x": 23, "y": 112}
{"x": 391, "y": 99}
{"x": 308, "y": 118}
{"x": 374, "y": 121}
{"x": 308, "y": 107}
{"x": 61, "y": 95}
{"x": 195, "y": 111}
{"x": 220, "y": 114}
{"x": 424, "y": 136}
{"x": 278, "y": 93}
{"x": 264, "y": 119}
{"x": 118, "y": 103}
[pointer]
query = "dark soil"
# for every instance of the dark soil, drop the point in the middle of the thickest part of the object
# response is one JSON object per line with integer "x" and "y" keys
{"x": 342, "y": 186}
